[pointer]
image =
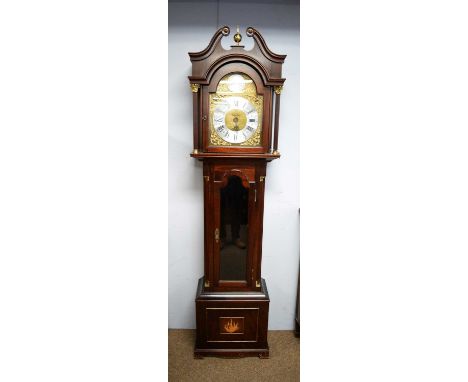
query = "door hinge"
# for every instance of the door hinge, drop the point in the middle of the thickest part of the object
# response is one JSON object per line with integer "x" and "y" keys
{"x": 216, "y": 233}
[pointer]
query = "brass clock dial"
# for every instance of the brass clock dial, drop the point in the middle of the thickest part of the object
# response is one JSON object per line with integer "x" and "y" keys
{"x": 236, "y": 112}
{"x": 235, "y": 120}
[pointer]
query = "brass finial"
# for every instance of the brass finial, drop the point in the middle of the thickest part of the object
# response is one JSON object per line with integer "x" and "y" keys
{"x": 237, "y": 36}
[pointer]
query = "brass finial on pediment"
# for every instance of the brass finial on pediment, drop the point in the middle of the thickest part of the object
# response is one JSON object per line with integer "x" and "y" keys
{"x": 237, "y": 36}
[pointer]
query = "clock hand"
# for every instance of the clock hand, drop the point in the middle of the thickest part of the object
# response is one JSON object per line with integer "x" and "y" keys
{"x": 236, "y": 120}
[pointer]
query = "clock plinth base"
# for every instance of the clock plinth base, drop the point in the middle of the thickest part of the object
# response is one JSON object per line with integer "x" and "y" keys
{"x": 232, "y": 324}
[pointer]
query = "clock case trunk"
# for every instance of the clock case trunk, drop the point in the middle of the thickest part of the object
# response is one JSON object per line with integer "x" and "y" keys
{"x": 216, "y": 174}
{"x": 232, "y": 315}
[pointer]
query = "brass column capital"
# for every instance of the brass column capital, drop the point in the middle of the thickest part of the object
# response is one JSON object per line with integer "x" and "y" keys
{"x": 195, "y": 87}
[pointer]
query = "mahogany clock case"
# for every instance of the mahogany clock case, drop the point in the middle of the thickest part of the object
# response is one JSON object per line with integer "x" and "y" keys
{"x": 232, "y": 299}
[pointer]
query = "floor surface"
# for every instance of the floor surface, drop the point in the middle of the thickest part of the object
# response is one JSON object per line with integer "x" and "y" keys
{"x": 283, "y": 364}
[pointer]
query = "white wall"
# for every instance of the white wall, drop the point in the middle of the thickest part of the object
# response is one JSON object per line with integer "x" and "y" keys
{"x": 191, "y": 26}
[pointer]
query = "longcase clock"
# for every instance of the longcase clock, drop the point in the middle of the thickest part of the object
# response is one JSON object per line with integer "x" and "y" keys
{"x": 236, "y": 102}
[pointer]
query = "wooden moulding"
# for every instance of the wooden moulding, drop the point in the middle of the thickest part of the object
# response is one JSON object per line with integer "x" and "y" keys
{"x": 268, "y": 156}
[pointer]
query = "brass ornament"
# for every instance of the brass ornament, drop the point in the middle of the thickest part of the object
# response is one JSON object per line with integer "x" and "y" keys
{"x": 262, "y": 178}
{"x": 278, "y": 89}
{"x": 237, "y": 36}
{"x": 195, "y": 87}
{"x": 276, "y": 152}
{"x": 195, "y": 151}
{"x": 257, "y": 284}
{"x": 207, "y": 284}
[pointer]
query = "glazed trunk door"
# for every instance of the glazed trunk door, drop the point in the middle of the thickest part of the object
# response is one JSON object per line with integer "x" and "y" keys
{"x": 234, "y": 234}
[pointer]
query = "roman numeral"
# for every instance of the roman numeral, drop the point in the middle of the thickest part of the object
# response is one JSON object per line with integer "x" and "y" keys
{"x": 252, "y": 120}
{"x": 220, "y": 119}
{"x": 250, "y": 128}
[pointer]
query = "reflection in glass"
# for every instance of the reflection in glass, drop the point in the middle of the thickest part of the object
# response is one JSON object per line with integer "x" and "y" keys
{"x": 233, "y": 230}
